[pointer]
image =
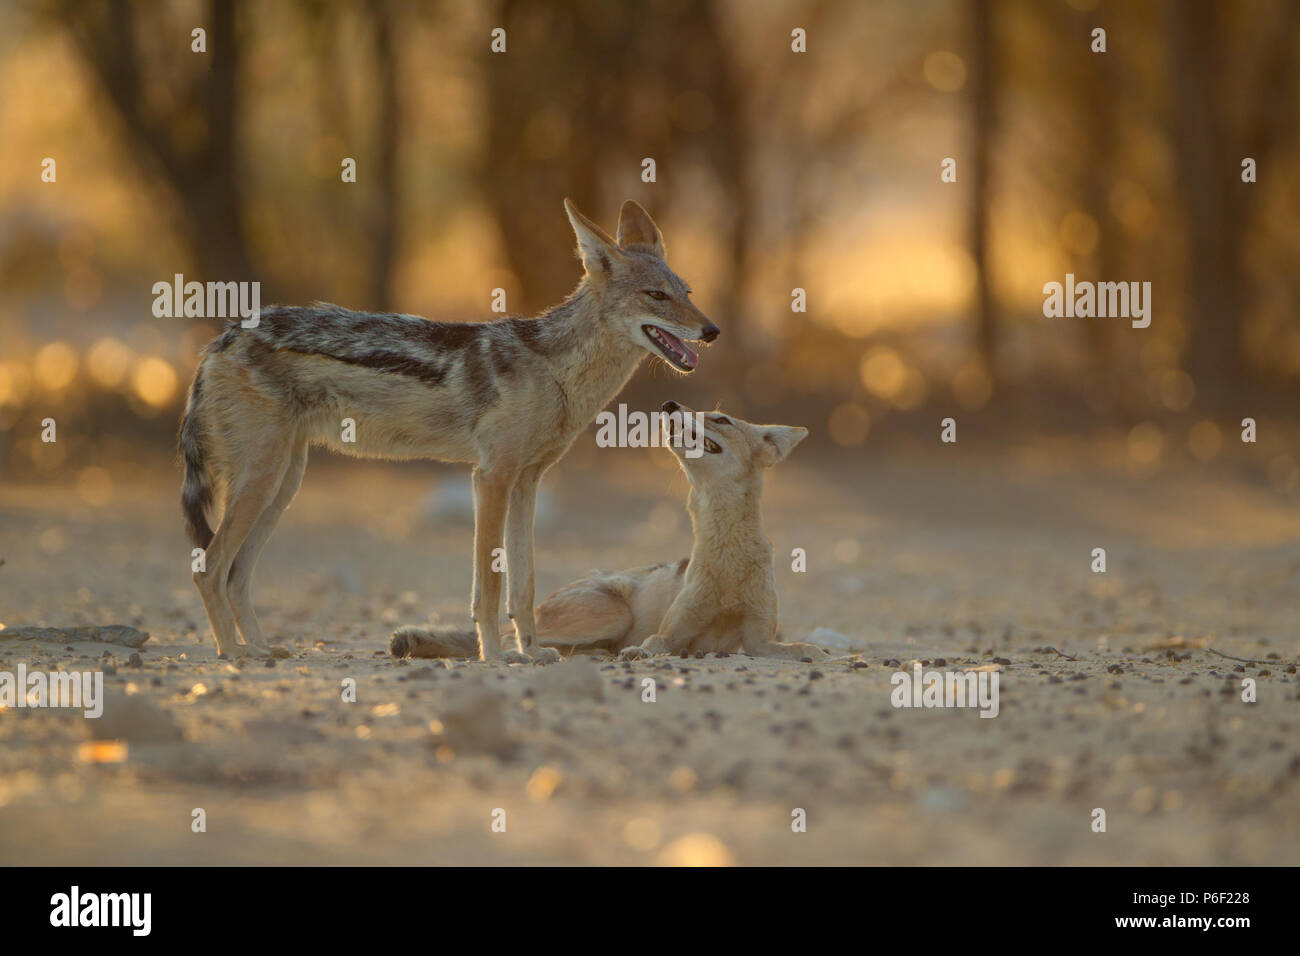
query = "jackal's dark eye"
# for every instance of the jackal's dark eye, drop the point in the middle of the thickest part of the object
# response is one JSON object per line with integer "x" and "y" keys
{"x": 722, "y": 420}
{"x": 656, "y": 294}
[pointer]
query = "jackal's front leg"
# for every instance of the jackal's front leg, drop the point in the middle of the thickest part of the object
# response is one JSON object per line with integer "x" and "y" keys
{"x": 519, "y": 564}
{"x": 676, "y": 631}
{"x": 491, "y": 497}
{"x": 758, "y": 638}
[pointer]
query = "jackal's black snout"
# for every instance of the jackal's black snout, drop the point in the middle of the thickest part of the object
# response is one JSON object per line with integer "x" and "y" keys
{"x": 710, "y": 333}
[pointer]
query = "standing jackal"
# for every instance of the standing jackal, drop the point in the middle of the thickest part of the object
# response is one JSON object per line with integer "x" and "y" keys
{"x": 721, "y": 598}
{"x": 507, "y": 396}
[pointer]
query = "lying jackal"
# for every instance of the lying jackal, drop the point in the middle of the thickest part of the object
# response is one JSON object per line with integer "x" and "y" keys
{"x": 721, "y": 598}
{"x": 508, "y": 396}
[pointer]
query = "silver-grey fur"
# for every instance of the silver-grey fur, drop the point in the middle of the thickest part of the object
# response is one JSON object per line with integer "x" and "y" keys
{"x": 507, "y": 396}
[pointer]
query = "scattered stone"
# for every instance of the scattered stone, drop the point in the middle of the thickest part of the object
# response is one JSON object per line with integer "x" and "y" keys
{"x": 826, "y": 637}
{"x": 121, "y": 634}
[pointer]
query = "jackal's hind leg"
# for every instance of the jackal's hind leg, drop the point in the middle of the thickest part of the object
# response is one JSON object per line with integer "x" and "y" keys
{"x": 584, "y": 613}
{"x": 240, "y": 583}
{"x": 248, "y": 496}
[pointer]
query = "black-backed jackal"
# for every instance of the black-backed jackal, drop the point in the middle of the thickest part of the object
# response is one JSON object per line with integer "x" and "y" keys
{"x": 721, "y": 599}
{"x": 507, "y": 396}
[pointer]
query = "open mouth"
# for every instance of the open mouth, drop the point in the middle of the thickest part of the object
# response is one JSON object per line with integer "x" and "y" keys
{"x": 673, "y": 349}
{"x": 677, "y": 437}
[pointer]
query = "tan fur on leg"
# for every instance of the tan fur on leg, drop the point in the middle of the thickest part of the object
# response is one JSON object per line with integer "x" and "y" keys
{"x": 247, "y": 499}
{"x": 491, "y": 495}
{"x": 519, "y": 564}
{"x": 508, "y": 396}
{"x": 239, "y": 585}
{"x": 582, "y": 614}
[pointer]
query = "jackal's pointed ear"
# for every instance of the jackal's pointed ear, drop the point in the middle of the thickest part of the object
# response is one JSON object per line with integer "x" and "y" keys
{"x": 779, "y": 441}
{"x": 637, "y": 231}
{"x": 596, "y": 249}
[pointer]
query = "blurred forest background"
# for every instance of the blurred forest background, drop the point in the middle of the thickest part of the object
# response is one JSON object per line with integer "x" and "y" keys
{"x": 775, "y": 170}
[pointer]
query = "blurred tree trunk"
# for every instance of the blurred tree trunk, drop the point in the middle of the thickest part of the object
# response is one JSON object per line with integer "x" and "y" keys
{"x": 1206, "y": 172}
{"x": 1212, "y": 136}
{"x": 383, "y": 220}
{"x": 984, "y": 117}
{"x": 585, "y": 86}
{"x": 544, "y": 117}
{"x": 1101, "y": 103}
{"x": 731, "y": 151}
{"x": 202, "y": 170}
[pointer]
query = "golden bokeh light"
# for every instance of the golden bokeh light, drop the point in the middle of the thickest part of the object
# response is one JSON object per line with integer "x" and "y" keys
{"x": 15, "y": 383}
{"x": 103, "y": 751}
{"x": 696, "y": 849}
{"x": 55, "y": 366}
{"x": 154, "y": 381}
{"x": 914, "y": 391}
{"x": 683, "y": 779}
{"x": 883, "y": 372}
{"x": 109, "y": 362}
{"x": 542, "y": 784}
{"x": 1146, "y": 443}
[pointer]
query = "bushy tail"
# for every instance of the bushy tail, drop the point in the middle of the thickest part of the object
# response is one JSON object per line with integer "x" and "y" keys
{"x": 411, "y": 641}
{"x": 196, "y": 494}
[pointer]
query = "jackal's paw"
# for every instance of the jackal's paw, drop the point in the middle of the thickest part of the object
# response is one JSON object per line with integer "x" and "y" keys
{"x": 534, "y": 655}
{"x": 652, "y": 645}
{"x": 656, "y": 644}
{"x": 252, "y": 650}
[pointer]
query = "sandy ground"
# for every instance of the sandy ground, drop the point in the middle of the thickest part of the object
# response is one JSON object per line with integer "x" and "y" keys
{"x": 940, "y": 559}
